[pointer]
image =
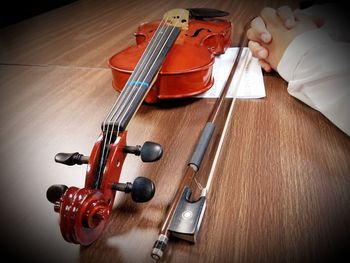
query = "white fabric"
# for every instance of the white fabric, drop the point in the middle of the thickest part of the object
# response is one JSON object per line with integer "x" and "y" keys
{"x": 318, "y": 71}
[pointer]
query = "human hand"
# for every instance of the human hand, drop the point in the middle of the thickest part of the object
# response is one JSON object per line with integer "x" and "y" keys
{"x": 285, "y": 24}
{"x": 258, "y": 33}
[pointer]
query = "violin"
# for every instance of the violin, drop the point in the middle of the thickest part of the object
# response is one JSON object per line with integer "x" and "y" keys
{"x": 172, "y": 58}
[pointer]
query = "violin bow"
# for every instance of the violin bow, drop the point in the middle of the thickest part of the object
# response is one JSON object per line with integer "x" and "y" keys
{"x": 184, "y": 217}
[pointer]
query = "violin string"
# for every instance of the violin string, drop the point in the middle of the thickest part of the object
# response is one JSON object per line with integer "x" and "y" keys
{"x": 122, "y": 94}
{"x": 110, "y": 134}
{"x": 139, "y": 90}
{"x": 154, "y": 61}
{"x": 160, "y": 26}
{"x": 129, "y": 91}
{"x": 140, "y": 75}
{"x": 139, "y": 79}
{"x": 114, "y": 109}
{"x": 139, "y": 66}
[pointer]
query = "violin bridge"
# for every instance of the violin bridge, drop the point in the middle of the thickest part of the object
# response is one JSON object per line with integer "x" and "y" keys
{"x": 177, "y": 18}
{"x": 188, "y": 216}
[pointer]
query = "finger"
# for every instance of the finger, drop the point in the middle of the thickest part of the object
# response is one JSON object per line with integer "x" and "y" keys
{"x": 269, "y": 15}
{"x": 266, "y": 66}
{"x": 257, "y": 50}
{"x": 251, "y": 35}
{"x": 259, "y": 30}
{"x": 300, "y": 16}
{"x": 287, "y": 16}
{"x": 258, "y": 37}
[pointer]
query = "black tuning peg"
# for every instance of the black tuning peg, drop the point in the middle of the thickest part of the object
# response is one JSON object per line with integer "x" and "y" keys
{"x": 150, "y": 151}
{"x": 54, "y": 192}
{"x": 71, "y": 158}
{"x": 142, "y": 189}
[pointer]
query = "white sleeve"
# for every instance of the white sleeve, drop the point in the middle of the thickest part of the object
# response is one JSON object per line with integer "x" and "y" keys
{"x": 318, "y": 72}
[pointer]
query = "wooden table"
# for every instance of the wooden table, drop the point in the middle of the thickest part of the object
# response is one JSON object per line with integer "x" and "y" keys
{"x": 282, "y": 187}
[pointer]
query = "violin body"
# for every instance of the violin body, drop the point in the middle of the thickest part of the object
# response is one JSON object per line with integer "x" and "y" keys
{"x": 187, "y": 69}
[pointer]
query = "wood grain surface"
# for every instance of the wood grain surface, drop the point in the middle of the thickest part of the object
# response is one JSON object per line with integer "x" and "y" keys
{"x": 281, "y": 191}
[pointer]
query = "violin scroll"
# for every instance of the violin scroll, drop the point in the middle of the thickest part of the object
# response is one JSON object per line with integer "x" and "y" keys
{"x": 84, "y": 212}
{"x": 83, "y": 215}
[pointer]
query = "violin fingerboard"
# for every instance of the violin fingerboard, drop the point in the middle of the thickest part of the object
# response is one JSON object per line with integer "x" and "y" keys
{"x": 140, "y": 80}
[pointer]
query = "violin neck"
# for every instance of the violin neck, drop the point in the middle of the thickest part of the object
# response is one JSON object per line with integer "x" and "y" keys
{"x": 141, "y": 79}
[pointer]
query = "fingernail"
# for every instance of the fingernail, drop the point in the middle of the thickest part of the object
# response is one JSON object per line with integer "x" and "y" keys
{"x": 266, "y": 37}
{"x": 289, "y": 23}
{"x": 262, "y": 54}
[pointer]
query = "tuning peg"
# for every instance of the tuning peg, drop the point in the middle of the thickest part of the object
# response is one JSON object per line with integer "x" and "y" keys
{"x": 54, "y": 192}
{"x": 142, "y": 189}
{"x": 150, "y": 151}
{"x": 71, "y": 158}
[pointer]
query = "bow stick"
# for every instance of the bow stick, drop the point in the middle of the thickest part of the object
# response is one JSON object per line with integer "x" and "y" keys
{"x": 184, "y": 217}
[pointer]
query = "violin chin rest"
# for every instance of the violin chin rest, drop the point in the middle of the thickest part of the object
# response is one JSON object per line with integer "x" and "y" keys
{"x": 200, "y": 13}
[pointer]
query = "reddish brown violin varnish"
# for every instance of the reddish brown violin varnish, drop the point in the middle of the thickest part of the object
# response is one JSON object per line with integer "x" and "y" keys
{"x": 187, "y": 70}
{"x": 84, "y": 212}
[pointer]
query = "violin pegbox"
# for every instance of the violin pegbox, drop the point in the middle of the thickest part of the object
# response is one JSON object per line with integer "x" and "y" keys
{"x": 84, "y": 212}
{"x": 177, "y": 18}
